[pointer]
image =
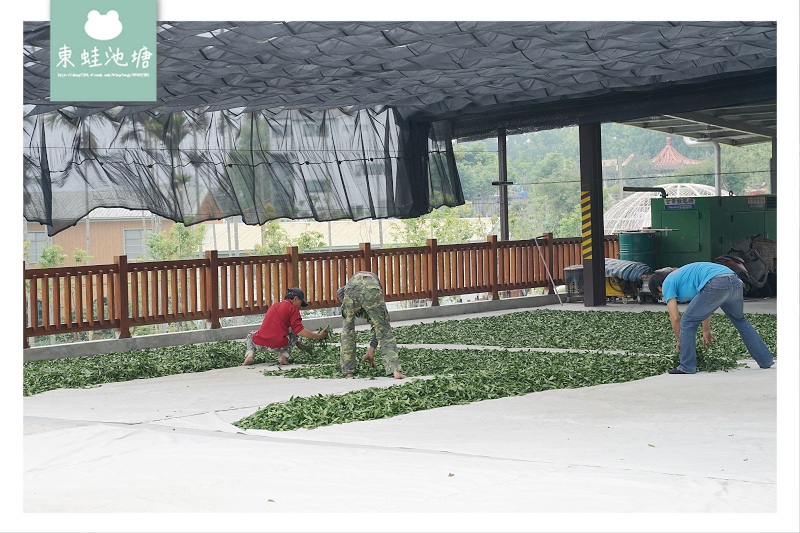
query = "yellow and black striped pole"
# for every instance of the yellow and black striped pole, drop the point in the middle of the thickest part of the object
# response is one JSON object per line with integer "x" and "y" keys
{"x": 592, "y": 253}
{"x": 586, "y": 225}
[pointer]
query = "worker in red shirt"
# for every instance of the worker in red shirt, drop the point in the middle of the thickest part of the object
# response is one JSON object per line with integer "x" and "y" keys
{"x": 281, "y": 329}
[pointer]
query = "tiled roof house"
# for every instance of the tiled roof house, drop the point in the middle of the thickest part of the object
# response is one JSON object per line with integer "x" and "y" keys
{"x": 669, "y": 159}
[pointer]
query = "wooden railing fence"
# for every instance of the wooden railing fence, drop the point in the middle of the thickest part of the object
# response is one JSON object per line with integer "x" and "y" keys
{"x": 123, "y": 295}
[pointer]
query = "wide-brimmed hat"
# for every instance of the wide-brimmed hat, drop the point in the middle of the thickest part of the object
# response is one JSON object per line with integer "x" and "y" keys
{"x": 296, "y": 292}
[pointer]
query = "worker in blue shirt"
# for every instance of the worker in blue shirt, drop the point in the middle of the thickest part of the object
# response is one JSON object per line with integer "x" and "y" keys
{"x": 707, "y": 287}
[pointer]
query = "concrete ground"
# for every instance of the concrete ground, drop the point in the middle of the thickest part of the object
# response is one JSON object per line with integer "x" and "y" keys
{"x": 666, "y": 453}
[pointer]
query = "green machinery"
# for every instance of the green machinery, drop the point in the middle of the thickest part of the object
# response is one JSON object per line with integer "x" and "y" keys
{"x": 690, "y": 229}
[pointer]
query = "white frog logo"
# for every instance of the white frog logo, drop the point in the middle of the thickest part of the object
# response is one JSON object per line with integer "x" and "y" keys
{"x": 103, "y": 27}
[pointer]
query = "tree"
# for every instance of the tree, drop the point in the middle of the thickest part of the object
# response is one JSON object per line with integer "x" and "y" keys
{"x": 310, "y": 240}
{"x": 179, "y": 242}
{"x": 545, "y": 164}
{"x": 81, "y": 257}
{"x": 167, "y": 132}
{"x": 554, "y": 192}
{"x": 477, "y": 169}
{"x": 261, "y": 177}
{"x": 448, "y": 225}
{"x": 274, "y": 240}
{"x": 744, "y": 168}
{"x": 52, "y": 257}
{"x": 569, "y": 225}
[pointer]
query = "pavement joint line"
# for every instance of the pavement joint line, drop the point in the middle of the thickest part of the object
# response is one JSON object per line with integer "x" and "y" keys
{"x": 522, "y": 349}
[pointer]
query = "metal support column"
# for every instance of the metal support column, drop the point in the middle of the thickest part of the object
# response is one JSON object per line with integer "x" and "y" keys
{"x": 773, "y": 168}
{"x": 594, "y": 267}
{"x": 503, "y": 183}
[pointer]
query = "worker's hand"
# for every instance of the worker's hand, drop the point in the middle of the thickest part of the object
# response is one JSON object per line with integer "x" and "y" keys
{"x": 370, "y": 359}
{"x": 324, "y": 333}
{"x": 708, "y": 338}
{"x": 678, "y": 346}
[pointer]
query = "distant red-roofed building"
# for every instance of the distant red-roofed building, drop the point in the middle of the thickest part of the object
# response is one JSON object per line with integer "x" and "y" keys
{"x": 670, "y": 159}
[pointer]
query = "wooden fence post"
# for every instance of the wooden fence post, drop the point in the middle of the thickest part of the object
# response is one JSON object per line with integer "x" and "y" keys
{"x": 212, "y": 289}
{"x": 25, "y": 310}
{"x": 121, "y": 297}
{"x": 548, "y": 246}
{"x": 494, "y": 261}
{"x": 433, "y": 272}
{"x": 293, "y": 276}
{"x": 366, "y": 258}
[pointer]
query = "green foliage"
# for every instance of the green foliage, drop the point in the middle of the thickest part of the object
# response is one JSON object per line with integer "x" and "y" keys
{"x": 80, "y": 372}
{"x": 179, "y": 242}
{"x": 315, "y": 353}
{"x": 477, "y": 169}
{"x": 460, "y": 377}
{"x": 642, "y": 332}
{"x": 81, "y": 257}
{"x": 173, "y": 128}
{"x": 463, "y": 376}
{"x": 597, "y": 347}
{"x": 647, "y": 332}
{"x": 275, "y": 240}
{"x": 52, "y": 257}
{"x": 569, "y": 225}
{"x": 619, "y": 141}
{"x": 310, "y": 240}
{"x": 448, "y": 225}
{"x": 545, "y": 165}
{"x": 551, "y": 204}
{"x": 743, "y": 169}
{"x": 181, "y": 179}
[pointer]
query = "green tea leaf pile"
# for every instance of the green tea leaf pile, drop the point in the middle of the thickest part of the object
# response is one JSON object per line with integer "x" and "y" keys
{"x": 592, "y": 348}
{"x": 463, "y": 376}
{"x": 80, "y": 372}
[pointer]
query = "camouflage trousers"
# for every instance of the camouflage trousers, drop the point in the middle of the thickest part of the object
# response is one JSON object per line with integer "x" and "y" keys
{"x": 286, "y": 350}
{"x": 363, "y": 295}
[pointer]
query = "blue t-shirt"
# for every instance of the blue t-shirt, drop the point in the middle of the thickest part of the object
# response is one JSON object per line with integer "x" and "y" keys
{"x": 686, "y": 282}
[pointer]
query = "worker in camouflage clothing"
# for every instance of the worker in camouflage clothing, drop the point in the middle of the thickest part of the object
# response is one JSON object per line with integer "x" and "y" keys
{"x": 363, "y": 297}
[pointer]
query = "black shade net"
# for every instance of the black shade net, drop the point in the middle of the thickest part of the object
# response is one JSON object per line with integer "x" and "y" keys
{"x": 196, "y": 166}
{"x": 354, "y": 120}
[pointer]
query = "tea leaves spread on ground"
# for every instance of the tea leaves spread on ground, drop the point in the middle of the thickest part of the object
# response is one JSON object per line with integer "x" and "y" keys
{"x": 642, "y": 343}
{"x": 469, "y": 376}
{"x": 642, "y": 332}
{"x": 79, "y": 372}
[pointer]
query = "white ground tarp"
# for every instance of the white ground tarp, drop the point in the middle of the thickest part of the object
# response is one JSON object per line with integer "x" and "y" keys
{"x": 667, "y": 453}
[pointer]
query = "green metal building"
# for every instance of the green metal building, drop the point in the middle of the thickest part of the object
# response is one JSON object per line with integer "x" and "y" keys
{"x": 702, "y": 228}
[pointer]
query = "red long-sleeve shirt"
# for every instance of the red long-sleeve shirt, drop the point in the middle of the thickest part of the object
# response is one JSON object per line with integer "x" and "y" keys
{"x": 274, "y": 330}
